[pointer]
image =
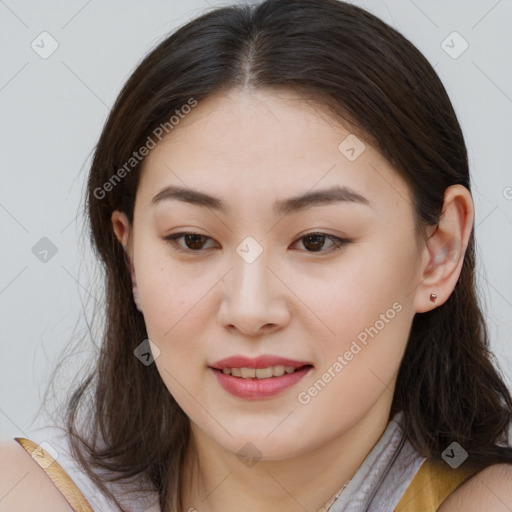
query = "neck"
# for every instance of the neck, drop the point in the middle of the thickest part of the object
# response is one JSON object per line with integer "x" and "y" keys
{"x": 216, "y": 479}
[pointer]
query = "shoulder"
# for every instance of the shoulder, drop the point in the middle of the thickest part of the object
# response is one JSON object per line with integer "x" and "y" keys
{"x": 24, "y": 486}
{"x": 490, "y": 489}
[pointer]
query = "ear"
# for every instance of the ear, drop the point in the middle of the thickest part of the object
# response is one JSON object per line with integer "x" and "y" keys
{"x": 123, "y": 231}
{"x": 122, "y": 227}
{"x": 445, "y": 248}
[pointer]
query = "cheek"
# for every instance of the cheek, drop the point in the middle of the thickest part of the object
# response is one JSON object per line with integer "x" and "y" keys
{"x": 369, "y": 337}
{"x": 357, "y": 366}
{"x": 176, "y": 313}
{"x": 366, "y": 315}
{"x": 172, "y": 307}
{"x": 171, "y": 291}
{"x": 350, "y": 296}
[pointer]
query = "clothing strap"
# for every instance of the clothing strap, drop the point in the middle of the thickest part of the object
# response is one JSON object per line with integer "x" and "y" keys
{"x": 431, "y": 485}
{"x": 57, "y": 475}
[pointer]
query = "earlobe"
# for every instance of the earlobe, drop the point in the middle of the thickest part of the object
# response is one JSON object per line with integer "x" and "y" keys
{"x": 121, "y": 226}
{"x": 135, "y": 288}
{"x": 445, "y": 250}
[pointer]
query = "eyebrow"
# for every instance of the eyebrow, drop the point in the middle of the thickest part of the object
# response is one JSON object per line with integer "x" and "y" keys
{"x": 282, "y": 206}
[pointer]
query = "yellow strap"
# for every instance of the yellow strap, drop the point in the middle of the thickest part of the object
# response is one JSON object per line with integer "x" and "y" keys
{"x": 57, "y": 475}
{"x": 431, "y": 485}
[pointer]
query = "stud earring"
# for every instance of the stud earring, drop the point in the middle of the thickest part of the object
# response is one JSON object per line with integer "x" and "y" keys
{"x": 433, "y": 297}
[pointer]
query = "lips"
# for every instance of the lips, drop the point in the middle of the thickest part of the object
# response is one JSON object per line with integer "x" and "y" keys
{"x": 259, "y": 389}
{"x": 263, "y": 361}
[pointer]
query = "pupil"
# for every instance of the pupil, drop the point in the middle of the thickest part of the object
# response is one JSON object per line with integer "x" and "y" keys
{"x": 194, "y": 241}
{"x": 316, "y": 245}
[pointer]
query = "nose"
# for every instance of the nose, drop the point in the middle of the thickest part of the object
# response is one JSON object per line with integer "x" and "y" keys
{"x": 254, "y": 298}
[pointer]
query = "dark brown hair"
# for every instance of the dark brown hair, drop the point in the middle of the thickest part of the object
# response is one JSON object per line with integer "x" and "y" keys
{"x": 372, "y": 78}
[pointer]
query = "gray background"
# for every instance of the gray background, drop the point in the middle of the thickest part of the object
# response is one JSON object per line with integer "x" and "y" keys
{"x": 52, "y": 112}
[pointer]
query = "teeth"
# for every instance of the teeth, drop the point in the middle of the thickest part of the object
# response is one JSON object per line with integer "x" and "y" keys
{"x": 259, "y": 373}
{"x": 278, "y": 371}
{"x": 248, "y": 373}
{"x": 264, "y": 373}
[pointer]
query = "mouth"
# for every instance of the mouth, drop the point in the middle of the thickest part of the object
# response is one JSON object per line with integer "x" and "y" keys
{"x": 259, "y": 383}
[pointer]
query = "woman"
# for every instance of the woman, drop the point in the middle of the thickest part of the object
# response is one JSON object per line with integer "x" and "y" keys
{"x": 282, "y": 205}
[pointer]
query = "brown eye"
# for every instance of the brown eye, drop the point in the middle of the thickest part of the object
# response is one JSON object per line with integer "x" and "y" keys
{"x": 194, "y": 242}
{"x": 314, "y": 242}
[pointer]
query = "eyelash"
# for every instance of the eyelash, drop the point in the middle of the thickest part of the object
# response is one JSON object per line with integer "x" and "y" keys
{"x": 337, "y": 241}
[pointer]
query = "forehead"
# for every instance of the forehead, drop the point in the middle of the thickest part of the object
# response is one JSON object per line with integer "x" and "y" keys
{"x": 270, "y": 145}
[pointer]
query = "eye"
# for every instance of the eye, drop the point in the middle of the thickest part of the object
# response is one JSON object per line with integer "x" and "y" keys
{"x": 317, "y": 240}
{"x": 194, "y": 242}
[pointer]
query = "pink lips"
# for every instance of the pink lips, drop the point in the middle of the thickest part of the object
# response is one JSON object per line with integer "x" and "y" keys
{"x": 256, "y": 389}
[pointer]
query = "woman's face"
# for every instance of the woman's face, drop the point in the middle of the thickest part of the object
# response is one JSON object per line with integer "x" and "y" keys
{"x": 252, "y": 282}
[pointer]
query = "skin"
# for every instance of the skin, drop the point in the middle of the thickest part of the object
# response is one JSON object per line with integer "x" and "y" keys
{"x": 294, "y": 300}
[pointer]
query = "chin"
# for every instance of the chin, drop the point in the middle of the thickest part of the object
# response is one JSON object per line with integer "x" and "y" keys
{"x": 256, "y": 448}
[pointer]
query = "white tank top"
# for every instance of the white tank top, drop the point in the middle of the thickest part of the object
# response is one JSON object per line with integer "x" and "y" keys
{"x": 378, "y": 484}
